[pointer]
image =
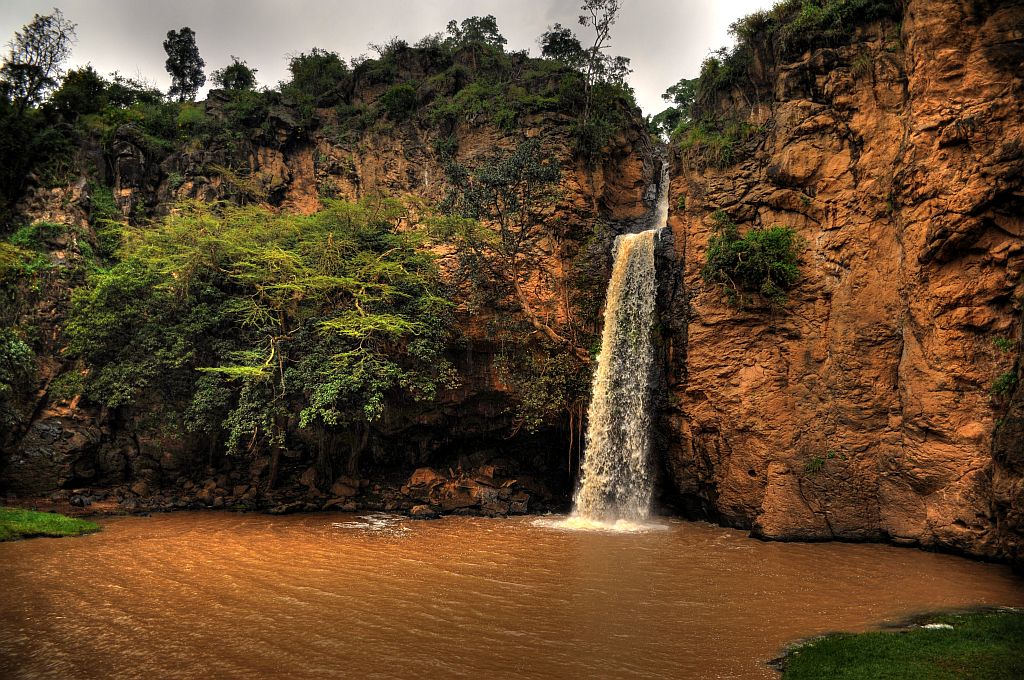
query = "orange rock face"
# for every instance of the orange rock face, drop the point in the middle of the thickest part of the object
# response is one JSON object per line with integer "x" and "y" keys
{"x": 864, "y": 409}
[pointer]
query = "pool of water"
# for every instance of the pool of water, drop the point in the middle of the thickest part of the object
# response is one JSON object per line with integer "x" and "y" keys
{"x": 225, "y": 595}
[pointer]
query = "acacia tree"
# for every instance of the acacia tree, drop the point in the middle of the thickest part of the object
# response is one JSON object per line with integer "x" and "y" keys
{"x": 184, "y": 64}
{"x": 33, "y": 64}
{"x": 235, "y": 320}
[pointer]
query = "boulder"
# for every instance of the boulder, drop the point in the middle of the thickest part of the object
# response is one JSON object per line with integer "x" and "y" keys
{"x": 343, "y": 488}
{"x": 422, "y": 512}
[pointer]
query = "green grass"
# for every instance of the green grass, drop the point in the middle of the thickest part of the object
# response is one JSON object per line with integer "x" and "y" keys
{"x": 16, "y": 523}
{"x": 981, "y": 646}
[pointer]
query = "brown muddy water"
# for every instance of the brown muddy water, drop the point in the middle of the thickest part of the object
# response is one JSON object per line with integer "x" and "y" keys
{"x": 220, "y": 595}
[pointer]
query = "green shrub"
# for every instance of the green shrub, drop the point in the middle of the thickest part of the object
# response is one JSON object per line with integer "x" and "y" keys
{"x": 37, "y": 235}
{"x": 399, "y": 101}
{"x": 1004, "y": 383}
{"x": 319, "y": 78}
{"x": 1004, "y": 345}
{"x": 763, "y": 261}
{"x": 713, "y": 145}
{"x": 17, "y": 368}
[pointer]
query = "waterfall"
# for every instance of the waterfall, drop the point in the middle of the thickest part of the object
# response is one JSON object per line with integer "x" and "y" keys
{"x": 616, "y": 477}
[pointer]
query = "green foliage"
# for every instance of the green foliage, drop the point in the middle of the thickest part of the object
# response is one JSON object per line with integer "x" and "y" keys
{"x": 319, "y": 78}
{"x": 1004, "y": 345}
{"x": 712, "y": 145}
{"x": 16, "y": 523}
{"x": 547, "y": 383}
{"x": 677, "y": 116}
{"x": 82, "y": 92}
{"x": 561, "y": 44}
{"x": 399, "y": 101}
{"x": 35, "y": 55}
{"x": 36, "y": 235}
{"x": 17, "y": 369}
{"x": 235, "y": 76}
{"x": 233, "y": 318}
{"x": 105, "y": 219}
{"x": 611, "y": 107}
{"x": 768, "y": 37}
{"x": 184, "y": 64}
{"x": 1004, "y": 384}
{"x": 475, "y": 30}
{"x": 13, "y": 264}
{"x": 816, "y": 464}
{"x": 977, "y": 646}
{"x": 761, "y": 261}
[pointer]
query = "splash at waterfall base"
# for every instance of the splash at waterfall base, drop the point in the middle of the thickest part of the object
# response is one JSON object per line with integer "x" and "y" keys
{"x": 616, "y": 481}
{"x": 617, "y": 476}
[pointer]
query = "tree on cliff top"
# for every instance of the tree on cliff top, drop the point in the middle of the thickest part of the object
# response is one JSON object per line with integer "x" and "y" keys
{"x": 33, "y": 63}
{"x": 561, "y": 44}
{"x": 235, "y": 76}
{"x": 184, "y": 64}
{"x": 476, "y": 30}
{"x": 319, "y": 78}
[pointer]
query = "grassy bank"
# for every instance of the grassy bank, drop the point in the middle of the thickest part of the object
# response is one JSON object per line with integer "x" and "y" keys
{"x": 986, "y": 646}
{"x": 16, "y": 523}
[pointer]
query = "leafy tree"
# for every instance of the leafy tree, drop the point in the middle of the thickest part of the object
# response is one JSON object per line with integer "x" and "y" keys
{"x": 82, "y": 92}
{"x": 501, "y": 204}
{"x": 682, "y": 96}
{"x": 234, "y": 319}
{"x": 235, "y": 76}
{"x": 561, "y": 44}
{"x": 601, "y": 15}
{"x": 184, "y": 64}
{"x": 32, "y": 66}
{"x": 319, "y": 77}
{"x": 476, "y": 30}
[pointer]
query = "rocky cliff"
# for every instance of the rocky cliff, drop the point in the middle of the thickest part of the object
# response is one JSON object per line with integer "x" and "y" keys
{"x": 876, "y": 404}
{"x": 880, "y": 402}
{"x": 294, "y": 161}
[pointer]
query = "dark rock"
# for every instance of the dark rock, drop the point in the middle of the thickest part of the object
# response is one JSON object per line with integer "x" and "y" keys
{"x": 422, "y": 512}
{"x": 80, "y": 501}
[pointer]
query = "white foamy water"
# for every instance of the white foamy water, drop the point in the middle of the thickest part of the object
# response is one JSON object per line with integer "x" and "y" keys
{"x": 618, "y": 526}
{"x": 616, "y": 481}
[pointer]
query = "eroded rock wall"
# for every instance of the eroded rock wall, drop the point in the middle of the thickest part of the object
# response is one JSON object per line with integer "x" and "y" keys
{"x": 66, "y": 443}
{"x": 863, "y": 409}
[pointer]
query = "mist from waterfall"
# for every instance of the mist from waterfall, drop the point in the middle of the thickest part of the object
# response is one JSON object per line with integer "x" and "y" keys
{"x": 616, "y": 482}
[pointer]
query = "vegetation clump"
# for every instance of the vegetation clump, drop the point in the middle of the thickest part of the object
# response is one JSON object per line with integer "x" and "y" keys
{"x": 1004, "y": 383}
{"x": 982, "y": 646}
{"x": 699, "y": 109}
{"x": 234, "y": 318}
{"x": 16, "y": 523}
{"x": 762, "y": 261}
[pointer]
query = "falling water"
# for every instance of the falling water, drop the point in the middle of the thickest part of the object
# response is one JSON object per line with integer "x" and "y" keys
{"x": 616, "y": 480}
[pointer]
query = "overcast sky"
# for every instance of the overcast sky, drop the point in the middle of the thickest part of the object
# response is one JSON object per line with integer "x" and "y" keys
{"x": 666, "y": 39}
